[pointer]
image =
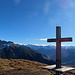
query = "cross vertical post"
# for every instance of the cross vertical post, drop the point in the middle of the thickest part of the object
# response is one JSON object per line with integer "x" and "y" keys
{"x": 58, "y": 41}
{"x": 58, "y": 47}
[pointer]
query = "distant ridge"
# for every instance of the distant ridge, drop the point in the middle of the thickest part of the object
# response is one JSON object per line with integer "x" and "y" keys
{"x": 68, "y": 52}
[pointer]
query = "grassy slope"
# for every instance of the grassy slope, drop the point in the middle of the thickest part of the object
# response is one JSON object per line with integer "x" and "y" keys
{"x": 23, "y": 67}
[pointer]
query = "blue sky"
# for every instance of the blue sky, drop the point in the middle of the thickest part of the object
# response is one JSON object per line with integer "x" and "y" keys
{"x": 32, "y": 21}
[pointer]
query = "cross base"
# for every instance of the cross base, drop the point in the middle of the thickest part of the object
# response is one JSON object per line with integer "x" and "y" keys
{"x": 63, "y": 69}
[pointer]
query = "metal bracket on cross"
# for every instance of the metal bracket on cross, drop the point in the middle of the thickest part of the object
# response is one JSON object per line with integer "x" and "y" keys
{"x": 58, "y": 68}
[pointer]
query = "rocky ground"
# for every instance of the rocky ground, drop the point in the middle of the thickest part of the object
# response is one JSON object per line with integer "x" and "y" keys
{"x": 24, "y": 67}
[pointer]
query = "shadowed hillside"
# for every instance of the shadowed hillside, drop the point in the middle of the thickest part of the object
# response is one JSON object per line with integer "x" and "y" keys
{"x": 15, "y": 51}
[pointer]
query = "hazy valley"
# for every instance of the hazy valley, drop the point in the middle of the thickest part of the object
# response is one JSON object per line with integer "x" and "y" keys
{"x": 68, "y": 52}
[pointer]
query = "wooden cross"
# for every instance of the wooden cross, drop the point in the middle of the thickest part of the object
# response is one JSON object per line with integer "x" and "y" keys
{"x": 58, "y": 41}
{"x": 58, "y": 68}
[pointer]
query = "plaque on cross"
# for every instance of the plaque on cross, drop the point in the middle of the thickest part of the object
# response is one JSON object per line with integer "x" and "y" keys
{"x": 58, "y": 41}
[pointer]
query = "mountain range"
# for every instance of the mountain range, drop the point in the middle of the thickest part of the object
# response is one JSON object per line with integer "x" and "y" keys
{"x": 67, "y": 52}
{"x": 10, "y": 50}
{"x": 41, "y": 53}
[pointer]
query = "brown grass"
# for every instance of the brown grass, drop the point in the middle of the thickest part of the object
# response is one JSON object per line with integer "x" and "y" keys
{"x": 24, "y": 67}
{"x": 21, "y": 67}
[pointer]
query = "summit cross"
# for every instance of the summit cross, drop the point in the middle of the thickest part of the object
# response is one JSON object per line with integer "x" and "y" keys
{"x": 58, "y": 41}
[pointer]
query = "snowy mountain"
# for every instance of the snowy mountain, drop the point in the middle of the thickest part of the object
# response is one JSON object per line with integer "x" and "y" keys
{"x": 5, "y": 43}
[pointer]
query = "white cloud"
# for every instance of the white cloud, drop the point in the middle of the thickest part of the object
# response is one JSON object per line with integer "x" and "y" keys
{"x": 17, "y": 1}
{"x": 47, "y": 6}
{"x": 66, "y": 3}
{"x": 40, "y": 44}
{"x": 43, "y": 39}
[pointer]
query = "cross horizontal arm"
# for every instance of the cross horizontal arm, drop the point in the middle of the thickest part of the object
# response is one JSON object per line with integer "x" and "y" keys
{"x": 51, "y": 40}
{"x": 66, "y": 39}
{"x": 60, "y": 39}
